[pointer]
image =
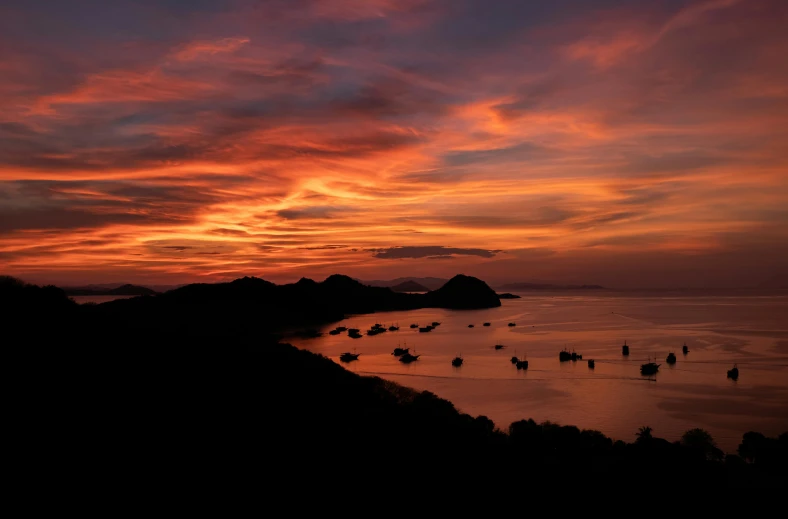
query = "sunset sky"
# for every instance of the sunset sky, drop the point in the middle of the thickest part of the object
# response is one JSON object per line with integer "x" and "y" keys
{"x": 624, "y": 143}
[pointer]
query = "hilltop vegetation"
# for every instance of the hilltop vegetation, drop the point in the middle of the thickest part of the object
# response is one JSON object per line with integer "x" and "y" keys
{"x": 188, "y": 394}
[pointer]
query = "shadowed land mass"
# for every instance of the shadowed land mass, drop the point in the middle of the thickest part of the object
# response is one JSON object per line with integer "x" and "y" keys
{"x": 171, "y": 386}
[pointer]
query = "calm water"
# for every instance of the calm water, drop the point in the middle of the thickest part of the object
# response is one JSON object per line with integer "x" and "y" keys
{"x": 97, "y": 299}
{"x": 613, "y": 398}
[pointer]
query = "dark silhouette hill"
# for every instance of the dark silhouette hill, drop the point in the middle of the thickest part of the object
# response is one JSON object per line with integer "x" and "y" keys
{"x": 175, "y": 390}
{"x": 409, "y": 286}
{"x": 123, "y": 290}
{"x": 507, "y": 295}
{"x": 431, "y": 283}
{"x": 455, "y": 294}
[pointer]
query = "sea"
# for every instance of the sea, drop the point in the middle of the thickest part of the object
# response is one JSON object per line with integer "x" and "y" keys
{"x": 721, "y": 330}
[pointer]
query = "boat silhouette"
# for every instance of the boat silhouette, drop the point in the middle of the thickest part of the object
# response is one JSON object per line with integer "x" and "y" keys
{"x": 470, "y": 326}
{"x": 684, "y": 349}
{"x": 399, "y": 352}
{"x": 414, "y": 325}
{"x": 512, "y": 324}
{"x": 393, "y": 328}
{"x": 407, "y": 358}
{"x": 499, "y": 346}
{"x": 625, "y": 349}
{"x": 457, "y": 361}
{"x": 564, "y": 356}
{"x": 486, "y": 324}
{"x": 425, "y": 329}
{"x": 733, "y": 374}
{"x": 522, "y": 364}
{"x": 650, "y": 368}
{"x": 435, "y": 323}
{"x": 671, "y": 359}
{"x": 349, "y": 357}
{"x": 591, "y": 363}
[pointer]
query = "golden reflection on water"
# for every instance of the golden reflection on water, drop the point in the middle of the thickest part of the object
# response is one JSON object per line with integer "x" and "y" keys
{"x": 613, "y": 397}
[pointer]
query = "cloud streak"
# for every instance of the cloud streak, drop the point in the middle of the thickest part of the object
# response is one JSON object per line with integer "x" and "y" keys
{"x": 255, "y": 138}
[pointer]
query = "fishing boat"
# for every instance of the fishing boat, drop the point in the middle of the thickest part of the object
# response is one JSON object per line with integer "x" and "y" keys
{"x": 341, "y": 328}
{"x": 457, "y": 361}
{"x": 407, "y": 358}
{"x": 470, "y": 326}
{"x": 354, "y": 333}
{"x": 499, "y": 346}
{"x": 414, "y": 325}
{"x": 514, "y": 358}
{"x": 522, "y": 364}
{"x": 349, "y": 357}
{"x": 684, "y": 349}
{"x": 334, "y": 332}
{"x": 435, "y": 323}
{"x": 512, "y": 324}
{"x": 625, "y": 349}
{"x": 425, "y": 329}
{"x": 591, "y": 363}
{"x": 576, "y": 356}
{"x": 393, "y": 328}
{"x": 486, "y": 324}
{"x": 399, "y": 352}
{"x": 671, "y": 359}
{"x": 650, "y": 368}
{"x": 733, "y": 374}
{"x": 564, "y": 356}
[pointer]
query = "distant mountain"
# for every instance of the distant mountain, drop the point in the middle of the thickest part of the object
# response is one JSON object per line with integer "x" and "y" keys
{"x": 274, "y": 308}
{"x": 98, "y": 290}
{"x": 410, "y": 286}
{"x": 548, "y": 286}
{"x": 427, "y": 282}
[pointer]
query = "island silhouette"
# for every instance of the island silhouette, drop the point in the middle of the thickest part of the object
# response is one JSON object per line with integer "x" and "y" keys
{"x": 195, "y": 384}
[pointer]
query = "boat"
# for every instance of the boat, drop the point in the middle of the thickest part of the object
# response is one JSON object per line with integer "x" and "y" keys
{"x": 425, "y": 329}
{"x": 684, "y": 349}
{"x": 514, "y": 358}
{"x": 576, "y": 356}
{"x": 399, "y": 351}
{"x": 334, "y": 332}
{"x": 457, "y": 362}
{"x": 407, "y": 358}
{"x": 733, "y": 374}
{"x": 354, "y": 333}
{"x": 521, "y": 364}
{"x": 341, "y": 328}
{"x": 512, "y": 324}
{"x": 498, "y": 346}
{"x": 353, "y": 330}
{"x": 373, "y": 331}
{"x": 349, "y": 357}
{"x": 564, "y": 356}
{"x": 625, "y": 349}
{"x": 486, "y": 324}
{"x": 470, "y": 326}
{"x": 591, "y": 363}
{"x": 393, "y": 328}
{"x": 671, "y": 358}
{"x": 650, "y": 368}
{"x": 414, "y": 325}
{"x": 435, "y": 323}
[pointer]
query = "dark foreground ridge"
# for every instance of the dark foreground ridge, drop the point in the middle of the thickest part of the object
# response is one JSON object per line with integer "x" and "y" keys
{"x": 218, "y": 402}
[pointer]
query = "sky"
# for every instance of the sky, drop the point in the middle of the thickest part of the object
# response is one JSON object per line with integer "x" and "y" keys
{"x": 624, "y": 143}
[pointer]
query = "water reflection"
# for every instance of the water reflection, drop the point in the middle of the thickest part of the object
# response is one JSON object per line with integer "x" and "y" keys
{"x": 612, "y": 397}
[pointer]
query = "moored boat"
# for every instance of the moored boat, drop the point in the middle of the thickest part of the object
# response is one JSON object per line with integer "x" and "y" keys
{"x": 349, "y": 357}
{"x": 564, "y": 356}
{"x": 650, "y": 368}
{"x": 486, "y": 324}
{"x": 671, "y": 359}
{"x": 457, "y": 361}
{"x": 625, "y": 349}
{"x": 684, "y": 349}
{"x": 591, "y": 363}
{"x": 733, "y": 374}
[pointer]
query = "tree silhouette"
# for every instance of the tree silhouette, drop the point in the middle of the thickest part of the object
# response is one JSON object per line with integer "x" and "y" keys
{"x": 644, "y": 434}
{"x": 700, "y": 440}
